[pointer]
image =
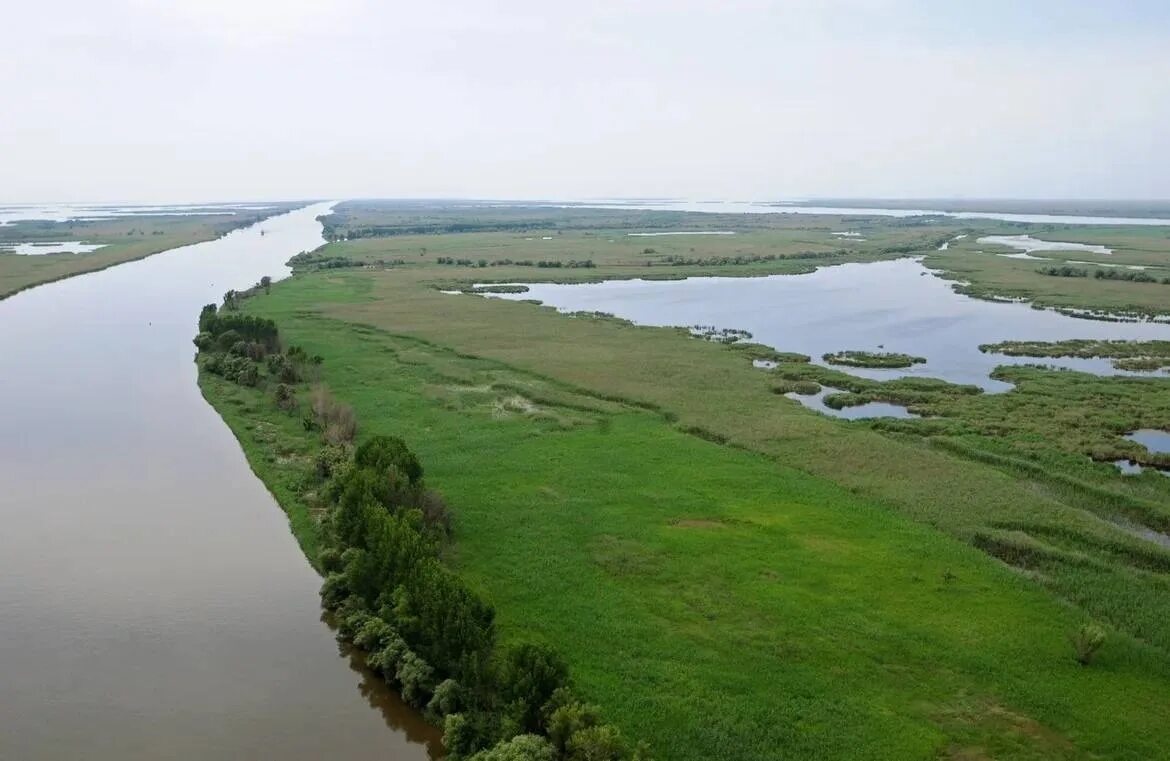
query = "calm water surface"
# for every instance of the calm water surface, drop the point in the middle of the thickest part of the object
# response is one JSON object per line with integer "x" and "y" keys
{"x": 747, "y": 207}
{"x": 893, "y": 306}
{"x": 154, "y": 603}
{"x": 1152, "y": 439}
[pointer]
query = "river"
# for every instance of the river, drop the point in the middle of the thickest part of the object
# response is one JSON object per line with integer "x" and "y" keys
{"x": 154, "y": 603}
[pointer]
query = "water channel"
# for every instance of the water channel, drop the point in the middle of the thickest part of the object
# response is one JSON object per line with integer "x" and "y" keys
{"x": 155, "y": 604}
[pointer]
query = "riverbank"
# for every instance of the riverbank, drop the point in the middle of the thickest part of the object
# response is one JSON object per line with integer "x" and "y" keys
{"x": 697, "y": 604}
{"x": 160, "y": 570}
{"x": 122, "y": 239}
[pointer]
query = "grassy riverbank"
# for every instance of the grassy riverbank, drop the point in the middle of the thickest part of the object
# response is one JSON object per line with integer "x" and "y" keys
{"x": 728, "y": 574}
{"x": 123, "y": 239}
{"x": 987, "y": 273}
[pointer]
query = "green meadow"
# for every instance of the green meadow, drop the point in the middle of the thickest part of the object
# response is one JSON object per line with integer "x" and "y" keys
{"x": 729, "y": 575}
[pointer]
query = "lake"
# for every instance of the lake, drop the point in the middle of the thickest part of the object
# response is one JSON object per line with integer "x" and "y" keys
{"x": 889, "y": 306}
{"x": 155, "y": 604}
{"x": 750, "y": 207}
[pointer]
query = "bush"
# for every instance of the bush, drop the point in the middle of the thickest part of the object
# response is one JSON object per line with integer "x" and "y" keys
{"x": 568, "y": 720}
{"x": 226, "y": 340}
{"x": 330, "y": 560}
{"x": 373, "y": 634}
{"x": 389, "y": 452}
{"x": 1086, "y": 641}
{"x": 286, "y": 397}
{"x": 599, "y": 743}
{"x": 518, "y": 748}
{"x": 416, "y": 677}
{"x": 435, "y": 512}
{"x": 334, "y": 419}
{"x": 385, "y": 659}
{"x": 282, "y": 368}
{"x": 332, "y": 460}
{"x": 447, "y": 699}
{"x": 466, "y": 733}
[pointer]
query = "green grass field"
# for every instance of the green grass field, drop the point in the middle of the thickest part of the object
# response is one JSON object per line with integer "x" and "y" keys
{"x": 730, "y": 575}
{"x": 990, "y": 275}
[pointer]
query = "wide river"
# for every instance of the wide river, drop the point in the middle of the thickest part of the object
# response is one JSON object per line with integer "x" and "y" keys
{"x": 153, "y": 603}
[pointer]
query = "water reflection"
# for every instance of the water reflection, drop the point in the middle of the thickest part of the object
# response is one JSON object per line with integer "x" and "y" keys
{"x": 398, "y": 716}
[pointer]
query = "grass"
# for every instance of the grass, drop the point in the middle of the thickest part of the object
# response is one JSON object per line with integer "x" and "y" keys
{"x": 1125, "y": 355}
{"x": 792, "y": 597}
{"x": 730, "y": 575}
{"x": 855, "y": 358}
{"x": 125, "y": 239}
{"x": 987, "y": 275}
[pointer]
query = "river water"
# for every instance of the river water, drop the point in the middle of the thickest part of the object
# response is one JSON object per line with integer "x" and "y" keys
{"x": 153, "y": 603}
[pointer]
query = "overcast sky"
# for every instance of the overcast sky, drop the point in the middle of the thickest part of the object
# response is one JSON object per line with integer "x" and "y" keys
{"x": 187, "y": 100}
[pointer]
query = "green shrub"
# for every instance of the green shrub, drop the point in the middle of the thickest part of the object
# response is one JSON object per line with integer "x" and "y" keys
{"x": 1086, "y": 641}
{"x": 226, "y": 340}
{"x": 599, "y": 743}
{"x": 447, "y": 698}
{"x": 416, "y": 678}
{"x": 386, "y": 452}
{"x": 519, "y": 748}
{"x": 285, "y": 397}
{"x": 568, "y": 720}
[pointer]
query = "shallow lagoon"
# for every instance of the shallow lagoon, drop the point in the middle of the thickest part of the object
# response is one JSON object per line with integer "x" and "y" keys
{"x": 40, "y": 249}
{"x": 857, "y": 412}
{"x": 1151, "y": 439}
{"x": 1028, "y": 244}
{"x": 892, "y": 306}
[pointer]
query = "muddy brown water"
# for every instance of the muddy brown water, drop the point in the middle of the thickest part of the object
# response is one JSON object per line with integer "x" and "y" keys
{"x": 153, "y": 602}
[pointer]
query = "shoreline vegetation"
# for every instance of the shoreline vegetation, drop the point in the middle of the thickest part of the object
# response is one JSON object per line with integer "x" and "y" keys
{"x": 379, "y": 536}
{"x": 1124, "y": 355}
{"x": 719, "y": 612}
{"x": 873, "y": 359}
{"x": 125, "y": 239}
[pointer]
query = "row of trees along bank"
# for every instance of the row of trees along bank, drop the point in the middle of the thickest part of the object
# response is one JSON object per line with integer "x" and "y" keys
{"x": 382, "y": 532}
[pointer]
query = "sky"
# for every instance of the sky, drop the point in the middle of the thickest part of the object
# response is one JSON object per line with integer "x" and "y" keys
{"x": 200, "y": 100}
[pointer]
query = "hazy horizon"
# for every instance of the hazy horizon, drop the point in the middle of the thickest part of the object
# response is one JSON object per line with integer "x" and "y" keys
{"x": 197, "y": 101}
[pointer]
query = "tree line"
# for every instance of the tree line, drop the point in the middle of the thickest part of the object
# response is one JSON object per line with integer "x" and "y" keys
{"x": 423, "y": 628}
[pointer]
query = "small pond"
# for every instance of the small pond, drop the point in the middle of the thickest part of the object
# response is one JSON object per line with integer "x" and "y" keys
{"x": 1152, "y": 439}
{"x": 1028, "y": 244}
{"x": 859, "y": 412}
{"x": 39, "y": 249}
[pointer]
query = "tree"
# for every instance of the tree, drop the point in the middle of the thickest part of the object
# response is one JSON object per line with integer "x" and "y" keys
{"x": 568, "y": 720}
{"x": 518, "y": 748}
{"x": 385, "y": 452}
{"x": 601, "y": 743}
{"x": 266, "y": 284}
{"x": 531, "y": 674}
